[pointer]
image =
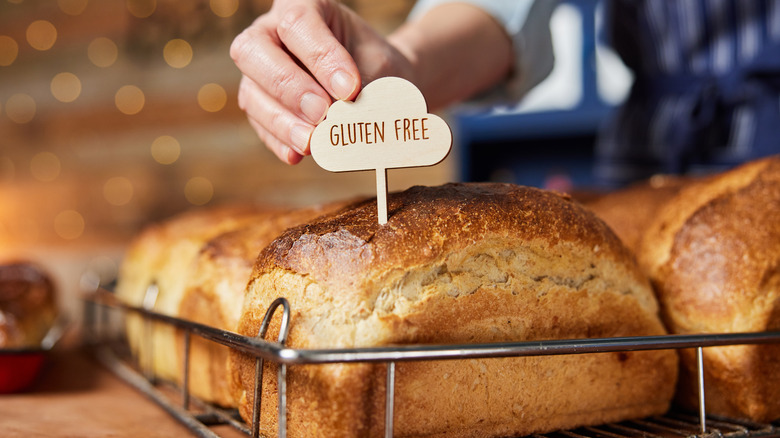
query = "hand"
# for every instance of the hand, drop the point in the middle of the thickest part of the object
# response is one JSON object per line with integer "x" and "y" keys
{"x": 296, "y": 59}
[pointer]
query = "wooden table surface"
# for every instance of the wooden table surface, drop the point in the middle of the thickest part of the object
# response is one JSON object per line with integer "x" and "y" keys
{"x": 75, "y": 396}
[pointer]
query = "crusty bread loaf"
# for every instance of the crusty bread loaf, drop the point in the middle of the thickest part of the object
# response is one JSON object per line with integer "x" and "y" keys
{"x": 28, "y": 304}
{"x": 629, "y": 211}
{"x": 714, "y": 256}
{"x": 215, "y": 292}
{"x": 162, "y": 254}
{"x": 459, "y": 263}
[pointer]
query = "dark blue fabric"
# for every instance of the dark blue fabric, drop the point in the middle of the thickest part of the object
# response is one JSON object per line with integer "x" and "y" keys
{"x": 680, "y": 71}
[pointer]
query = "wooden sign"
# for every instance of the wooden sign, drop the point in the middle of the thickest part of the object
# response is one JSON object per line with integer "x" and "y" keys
{"x": 387, "y": 126}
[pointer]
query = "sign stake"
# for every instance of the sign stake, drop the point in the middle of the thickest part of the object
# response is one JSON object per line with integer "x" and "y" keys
{"x": 387, "y": 127}
{"x": 381, "y": 195}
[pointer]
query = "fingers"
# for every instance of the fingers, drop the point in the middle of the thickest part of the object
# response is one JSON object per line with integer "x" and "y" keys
{"x": 286, "y": 127}
{"x": 283, "y": 133}
{"x": 293, "y": 65}
{"x": 282, "y": 151}
{"x": 263, "y": 60}
{"x": 308, "y": 36}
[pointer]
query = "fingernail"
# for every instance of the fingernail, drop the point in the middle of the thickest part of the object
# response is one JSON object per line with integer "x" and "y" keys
{"x": 293, "y": 157}
{"x": 299, "y": 137}
{"x": 342, "y": 84}
{"x": 314, "y": 107}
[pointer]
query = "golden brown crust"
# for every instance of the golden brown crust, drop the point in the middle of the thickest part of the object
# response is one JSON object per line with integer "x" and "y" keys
{"x": 425, "y": 223}
{"x": 714, "y": 256}
{"x": 656, "y": 246}
{"x": 162, "y": 255}
{"x": 460, "y": 263}
{"x": 630, "y": 211}
{"x": 152, "y": 247}
{"x": 215, "y": 292}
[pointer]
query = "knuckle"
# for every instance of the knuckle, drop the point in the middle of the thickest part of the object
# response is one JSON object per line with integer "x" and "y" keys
{"x": 283, "y": 83}
{"x": 240, "y": 46}
{"x": 275, "y": 122}
{"x": 248, "y": 40}
{"x": 324, "y": 56}
{"x": 290, "y": 17}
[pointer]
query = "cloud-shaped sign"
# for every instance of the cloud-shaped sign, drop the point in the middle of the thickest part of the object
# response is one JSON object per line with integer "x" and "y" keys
{"x": 388, "y": 126}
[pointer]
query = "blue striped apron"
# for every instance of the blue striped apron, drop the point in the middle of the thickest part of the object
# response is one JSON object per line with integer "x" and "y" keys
{"x": 706, "y": 94}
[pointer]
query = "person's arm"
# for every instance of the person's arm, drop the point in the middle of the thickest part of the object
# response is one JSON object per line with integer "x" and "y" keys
{"x": 456, "y": 51}
{"x": 527, "y": 24}
{"x": 303, "y": 53}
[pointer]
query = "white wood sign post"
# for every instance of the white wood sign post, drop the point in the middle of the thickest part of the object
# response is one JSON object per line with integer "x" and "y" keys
{"x": 387, "y": 126}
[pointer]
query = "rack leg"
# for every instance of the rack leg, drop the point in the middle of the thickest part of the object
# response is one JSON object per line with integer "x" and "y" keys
{"x": 389, "y": 399}
{"x": 185, "y": 384}
{"x": 104, "y": 323}
{"x": 700, "y": 369}
{"x": 96, "y": 323}
{"x": 282, "y": 389}
{"x": 148, "y": 303}
{"x": 257, "y": 398}
{"x": 148, "y": 345}
{"x": 282, "y": 401}
{"x": 89, "y": 322}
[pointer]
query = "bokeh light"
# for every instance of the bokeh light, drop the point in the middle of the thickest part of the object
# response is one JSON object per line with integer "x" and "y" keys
{"x": 65, "y": 87}
{"x": 177, "y": 53}
{"x": 223, "y": 8}
{"x": 102, "y": 52}
{"x": 72, "y": 7}
{"x": 141, "y": 8}
{"x": 198, "y": 190}
{"x": 129, "y": 99}
{"x": 45, "y": 166}
{"x": 41, "y": 35}
{"x": 69, "y": 224}
{"x": 212, "y": 97}
{"x": 118, "y": 191}
{"x": 20, "y": 108}
{"x": 166, "y": 149}
{"x": 8, "y": 50}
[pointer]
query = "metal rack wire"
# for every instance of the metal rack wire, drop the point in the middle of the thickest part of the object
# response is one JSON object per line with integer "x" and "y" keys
{"x": 673, "y": 424}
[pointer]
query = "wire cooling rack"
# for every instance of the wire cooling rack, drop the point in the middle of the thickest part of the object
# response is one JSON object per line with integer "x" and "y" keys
{"x": 199, "y": 416}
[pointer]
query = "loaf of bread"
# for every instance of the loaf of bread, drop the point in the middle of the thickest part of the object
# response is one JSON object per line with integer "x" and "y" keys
{"x": 28, "y": 305}
{"x": 713, "y": 254}
{"x": 629, "y": 211}
{"x": 215, "y": 291}
{"x": 162, "y": 255}
{"x": 459, "y": 263}
{"x": 200, "y": 261}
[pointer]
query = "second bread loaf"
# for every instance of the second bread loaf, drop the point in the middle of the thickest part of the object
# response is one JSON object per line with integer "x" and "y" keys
{"x": 713, "y": 254}
{"x": 215, "y": 292}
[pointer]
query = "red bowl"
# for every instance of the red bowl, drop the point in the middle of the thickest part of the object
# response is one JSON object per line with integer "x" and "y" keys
{"x": 19, "y": 368}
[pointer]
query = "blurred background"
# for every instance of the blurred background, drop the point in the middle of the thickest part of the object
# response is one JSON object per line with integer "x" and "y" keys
{"x": 117, "y": 113}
